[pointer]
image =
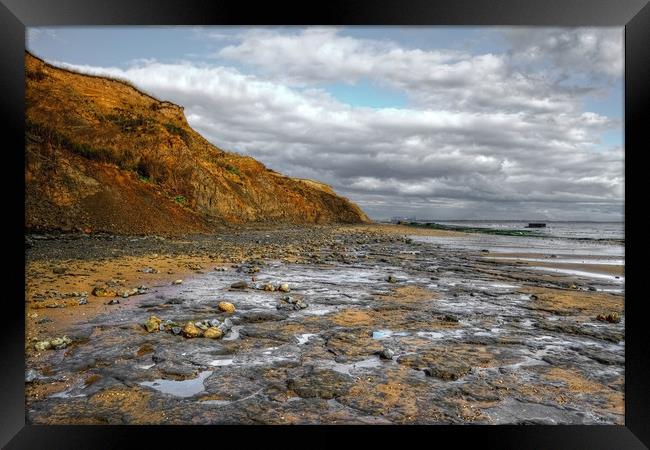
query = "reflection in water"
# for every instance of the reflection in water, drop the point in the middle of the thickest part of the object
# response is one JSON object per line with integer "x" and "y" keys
{"x": 184, "y": 388}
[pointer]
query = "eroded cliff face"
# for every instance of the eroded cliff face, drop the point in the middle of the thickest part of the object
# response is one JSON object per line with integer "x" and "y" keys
{"x": 103, "y": 156}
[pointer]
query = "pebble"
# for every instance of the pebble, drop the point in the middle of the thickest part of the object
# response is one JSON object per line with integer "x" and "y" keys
{"x": 391, "y": 279}
{"x": 386, "y": 353}
{"x": 59, "y": 343}
{"x": 103, "y": 292}
{"x": 83, "y": 301}
{"x": 213, "y": 333}
{"x": 31, "y": 375}
{"x": 226, "y": 307}
{"x": 239, "y": 285}
{"x": 190, "y": 330}
{"x": 42, "y": 346}
{"x": 611, "y": 318}
{"x": 226, "y": 325}
{"x": 153, "y": 324}
{"x": 177, "y": 282}
{"x": 284, "y": 287}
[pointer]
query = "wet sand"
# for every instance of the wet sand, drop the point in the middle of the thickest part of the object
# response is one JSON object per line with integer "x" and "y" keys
{"x": 471, "y": 340}
{"x": 607, "y": 269}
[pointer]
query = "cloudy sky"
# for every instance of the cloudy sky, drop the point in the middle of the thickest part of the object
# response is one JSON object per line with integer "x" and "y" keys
{"x": 432, "y": 122}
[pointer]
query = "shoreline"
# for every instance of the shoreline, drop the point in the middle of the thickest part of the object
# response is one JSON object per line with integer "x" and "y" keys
{"x": 483, "y": 315}
{"x": 87, "y": 269}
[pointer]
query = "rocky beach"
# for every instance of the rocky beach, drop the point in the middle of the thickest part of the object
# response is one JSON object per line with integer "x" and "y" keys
{"x": 323, "y": 324}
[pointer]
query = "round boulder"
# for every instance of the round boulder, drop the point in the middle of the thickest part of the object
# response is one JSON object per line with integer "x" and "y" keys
{"x": 226, "y": 307}
{"x": 190, "y": 330}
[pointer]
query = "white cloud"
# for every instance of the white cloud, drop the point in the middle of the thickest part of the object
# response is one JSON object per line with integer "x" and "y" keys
{"x": 586, "y": 51}
{"x": 481, "y": 136}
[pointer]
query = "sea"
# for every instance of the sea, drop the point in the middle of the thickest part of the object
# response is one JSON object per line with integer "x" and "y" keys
{"x": 570, "y": 230}
{"x": 586, "y": 246}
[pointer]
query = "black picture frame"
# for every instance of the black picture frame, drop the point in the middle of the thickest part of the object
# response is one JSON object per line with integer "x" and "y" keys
{"x": 15, "y": 15}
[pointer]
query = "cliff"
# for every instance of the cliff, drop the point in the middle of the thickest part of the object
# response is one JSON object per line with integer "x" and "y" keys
{"x": 102, "y": 156}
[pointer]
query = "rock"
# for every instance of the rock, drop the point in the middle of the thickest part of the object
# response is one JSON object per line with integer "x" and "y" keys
{"x": 437, "y": 364}
{"x": 268, "y": 287}
{"x": 260, "y": 316}
{"x": 391, "y": 279}
{"x": 226, "y": 307}
{"x": 239, "y": 285}
{"x": 254, "y": 269}
{"x": 176, "y": 330}
{"x": 99, "y": 291}
{"x": 321, "y": 383}
{"x": 43, "y": 345}
{"x": 201, "y": 326}
{"x": 190, "y": 330}
{"x": 448, "y": 370}
{"x": 611, "y": 318}
{"x": 284, "y": 287}
{"x": 60, "y": 270}
{"x": 148, "y": 270}
{"x": 55, "y": 305}
{"x": 153, "y": 324}
{"x": 213, "y": 333}
{"x": 283, "y": 305}
{"x": 60, "y": 343}
{"x": 113, "y": 302}
{"x": 31, "y": 375}
{"x": 289, "y": 303}
{"x": 300, "y": 305}
{"x": 386, "y": 353}
{"x": 485, "y": 251}
{"x": 214, "y": 322}
{"x": 177, "y": 282}
{"x": 450, "y": 318}
{"x": 226, "y": 325}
